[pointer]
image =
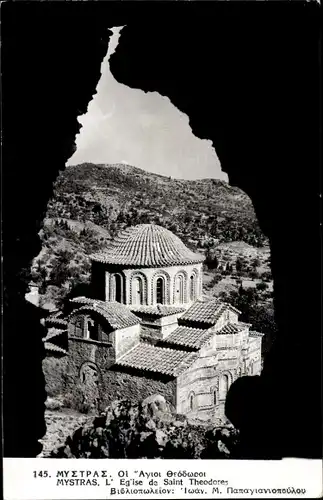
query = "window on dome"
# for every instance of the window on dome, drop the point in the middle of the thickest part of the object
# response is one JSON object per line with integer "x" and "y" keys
{"x": 137, "y": 291}
{"x": 192, "y": 288}
{"x": 214, "y": 398}
{"x": 192, "y": 402}
{"x": 160, "y": 292}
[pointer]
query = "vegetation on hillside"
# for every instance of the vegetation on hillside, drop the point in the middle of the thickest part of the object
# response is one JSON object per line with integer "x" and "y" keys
{"x": 92, "y": 203}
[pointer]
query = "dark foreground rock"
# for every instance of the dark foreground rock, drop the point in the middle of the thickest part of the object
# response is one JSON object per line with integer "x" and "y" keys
{"x": 147, "y": 430}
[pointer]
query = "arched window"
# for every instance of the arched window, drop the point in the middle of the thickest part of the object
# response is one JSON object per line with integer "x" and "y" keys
{"x": 214, "y": 398}
{"x": 160, "y": 291}
{"x": 224, "y": 385}
{"x": 116, "y": 288}
{"x": 137, "y": 291}
{"x": 179, "y": 289}
{"x": 192, "y": 402}
{"x": 251, "y": 368}
{"x": 192, "y": 287}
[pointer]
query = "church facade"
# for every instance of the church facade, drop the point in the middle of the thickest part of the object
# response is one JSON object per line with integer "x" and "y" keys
{"x": 148, "y": 329}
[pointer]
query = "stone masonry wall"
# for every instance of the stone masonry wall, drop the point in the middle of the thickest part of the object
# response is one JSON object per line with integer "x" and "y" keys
{"x": 63, "y": 377}
{"x": 119, "y": 384}
{"x": 125, "y": 339}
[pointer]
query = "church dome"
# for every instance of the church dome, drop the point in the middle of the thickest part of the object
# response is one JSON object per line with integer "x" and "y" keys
{"x": 147, "y": 245}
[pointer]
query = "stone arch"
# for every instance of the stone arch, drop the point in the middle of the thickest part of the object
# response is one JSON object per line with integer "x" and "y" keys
{"x": 117, "y": 287}
{"x": 180, "y": 287}
{"x": 162, "y": 279}
{"x": 138, "y": 289}
{"x": 193, "y": 285}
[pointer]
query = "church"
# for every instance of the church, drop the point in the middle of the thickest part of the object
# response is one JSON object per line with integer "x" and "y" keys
{"x": 148, "y": 329}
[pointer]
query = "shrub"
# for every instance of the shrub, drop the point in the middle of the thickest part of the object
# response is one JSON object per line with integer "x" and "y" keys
{"x": 147, "y": 430}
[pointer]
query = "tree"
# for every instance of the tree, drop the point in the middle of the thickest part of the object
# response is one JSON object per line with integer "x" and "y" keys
{"x": 210, "y": 258}
{"x": 60, "y": 271}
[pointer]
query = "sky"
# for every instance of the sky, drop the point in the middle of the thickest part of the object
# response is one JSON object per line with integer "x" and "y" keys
{"x": 125, "y": 125}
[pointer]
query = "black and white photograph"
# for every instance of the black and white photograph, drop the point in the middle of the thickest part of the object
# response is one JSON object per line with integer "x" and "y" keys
{"x": 161, "y": 243}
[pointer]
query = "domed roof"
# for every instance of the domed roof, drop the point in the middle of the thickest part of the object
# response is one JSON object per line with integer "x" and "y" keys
{"x": 147, "y": 245}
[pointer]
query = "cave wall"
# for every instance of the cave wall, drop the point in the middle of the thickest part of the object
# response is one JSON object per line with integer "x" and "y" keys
{"x": 247, "y": 75}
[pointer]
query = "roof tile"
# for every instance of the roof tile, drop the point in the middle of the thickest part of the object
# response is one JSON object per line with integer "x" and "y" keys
{"x": 55, "y": 348}
{"x": 189, "y": 337}
{"x": 160, "y": 360}
{"x": 206, "y": 312}
{"x": 230, "y": 329}
{"x": 159, "y": 310}
{"x": 147, "y": 245}
{"x": 54, "y": 332}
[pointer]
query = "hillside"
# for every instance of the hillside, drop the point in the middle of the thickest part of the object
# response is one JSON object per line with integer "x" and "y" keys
{"x": 92, "y": 203}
